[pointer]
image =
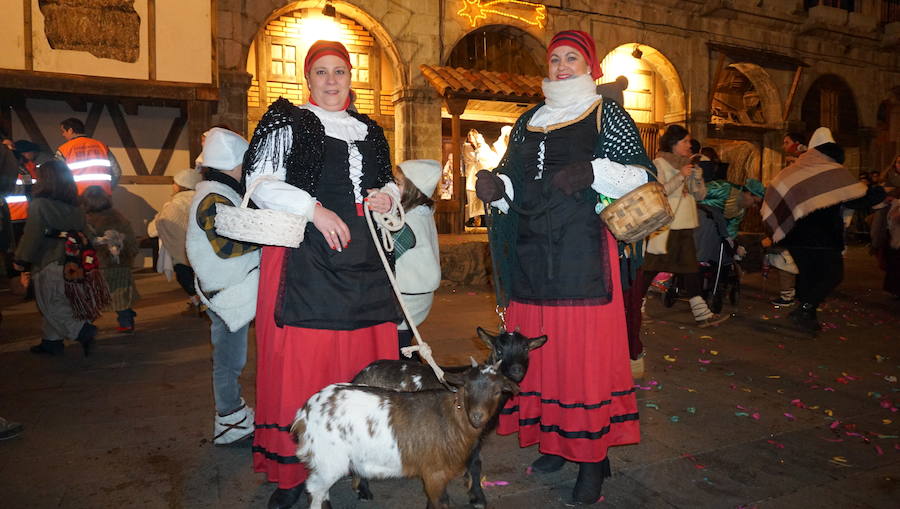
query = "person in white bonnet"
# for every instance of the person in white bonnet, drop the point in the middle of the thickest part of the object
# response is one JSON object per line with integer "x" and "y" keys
{"x": 170, "y": 225}
{"x": 227, "y": 274}
{"x": 418, "y": 262}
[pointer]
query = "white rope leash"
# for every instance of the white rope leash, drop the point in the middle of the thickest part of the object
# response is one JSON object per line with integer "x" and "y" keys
{"x": 390, "y": 223}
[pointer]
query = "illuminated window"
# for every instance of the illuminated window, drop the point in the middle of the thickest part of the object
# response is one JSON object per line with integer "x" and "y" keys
{"x": 360, "y": 63}
{"x": 284, "y": 61}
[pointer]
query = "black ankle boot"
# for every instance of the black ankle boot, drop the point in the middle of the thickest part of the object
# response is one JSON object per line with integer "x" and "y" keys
{"x": 45, "y": 347}
{"x": 286, "y": 498}
{"x": 548, "y": 463}
{"x": 590, "y": 482}
{"x": 805, "y": 317}
{"x": 86, "y": 337}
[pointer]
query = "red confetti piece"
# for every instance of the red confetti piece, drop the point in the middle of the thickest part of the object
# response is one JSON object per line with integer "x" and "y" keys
{"x": 704, "y": 361}
{"x": 755, "y": 415}
{"x": 789, "y": 416}
{"x": 835, "y": 424}
{"x": 879, "y": 450}
{"x": 776, "y": 444}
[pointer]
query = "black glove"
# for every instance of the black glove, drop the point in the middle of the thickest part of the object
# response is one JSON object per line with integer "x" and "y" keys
{"x": 573, "y": 177}
{"x": 488, "y": 186}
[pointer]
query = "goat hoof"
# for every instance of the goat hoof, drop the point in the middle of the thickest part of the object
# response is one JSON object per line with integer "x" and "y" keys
{"x": 285, "y": 498}
{"x": 365, "y": 494}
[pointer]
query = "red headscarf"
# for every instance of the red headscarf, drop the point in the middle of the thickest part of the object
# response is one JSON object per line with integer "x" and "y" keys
{"x": 583, "y": 43}
{"x": 320, "y": 49}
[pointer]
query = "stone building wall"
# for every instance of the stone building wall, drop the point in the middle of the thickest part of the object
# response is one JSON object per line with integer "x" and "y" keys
{"x": 851, "y": 45}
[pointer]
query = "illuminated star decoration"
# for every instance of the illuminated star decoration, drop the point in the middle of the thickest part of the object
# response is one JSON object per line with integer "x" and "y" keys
{"x": 479, "y": 9}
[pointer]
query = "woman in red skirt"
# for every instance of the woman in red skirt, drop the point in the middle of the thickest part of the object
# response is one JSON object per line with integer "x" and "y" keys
{"x": 325, "y": 309}
{"x": 558, "y": 266}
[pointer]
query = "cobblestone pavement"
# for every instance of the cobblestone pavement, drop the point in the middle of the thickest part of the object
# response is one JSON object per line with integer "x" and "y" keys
{"x": 748, "y": 414}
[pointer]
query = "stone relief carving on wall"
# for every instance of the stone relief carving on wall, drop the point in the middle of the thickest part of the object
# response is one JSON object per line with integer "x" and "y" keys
{"x": 103, "y": 28}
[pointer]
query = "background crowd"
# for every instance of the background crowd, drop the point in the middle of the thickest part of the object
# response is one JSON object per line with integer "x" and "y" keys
{"x": 324, "y": 309}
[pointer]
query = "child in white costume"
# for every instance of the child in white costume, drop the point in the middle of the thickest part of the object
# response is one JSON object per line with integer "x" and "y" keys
{"x": 418, "y": 262}
{"x": 227, "y": 276}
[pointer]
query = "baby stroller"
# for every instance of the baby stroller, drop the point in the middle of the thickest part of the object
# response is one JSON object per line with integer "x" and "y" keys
{"x": 719, "y": 273}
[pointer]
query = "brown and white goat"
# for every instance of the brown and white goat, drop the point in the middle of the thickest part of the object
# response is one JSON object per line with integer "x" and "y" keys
{"x": 381, "y": 433}
{"x": 510, "y": 349}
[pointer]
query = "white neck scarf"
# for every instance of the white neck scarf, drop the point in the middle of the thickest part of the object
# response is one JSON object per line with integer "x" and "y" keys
{"x": 565, "y": 100}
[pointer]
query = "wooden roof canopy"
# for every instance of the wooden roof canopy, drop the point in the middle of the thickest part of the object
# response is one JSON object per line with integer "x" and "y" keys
{"x": 450, "y": 82}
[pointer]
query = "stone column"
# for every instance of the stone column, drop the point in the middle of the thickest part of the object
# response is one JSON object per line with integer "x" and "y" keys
{"x": 232, "y": 107}
{"x": 417, "y": 128}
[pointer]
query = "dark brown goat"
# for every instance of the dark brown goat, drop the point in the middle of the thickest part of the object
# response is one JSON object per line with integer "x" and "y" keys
{"x": 511, "y": 349}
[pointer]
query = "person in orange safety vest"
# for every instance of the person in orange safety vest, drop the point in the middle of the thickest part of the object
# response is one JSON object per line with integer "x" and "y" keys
{"x": 91, "y": 161}
{"x": 29, "y": 156}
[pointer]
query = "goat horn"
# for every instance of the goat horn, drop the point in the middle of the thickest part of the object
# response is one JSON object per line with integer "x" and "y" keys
{"x": 474, "y": 362}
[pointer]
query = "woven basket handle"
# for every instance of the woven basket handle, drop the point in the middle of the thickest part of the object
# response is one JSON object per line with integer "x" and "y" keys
{"x": 259, "y": 180}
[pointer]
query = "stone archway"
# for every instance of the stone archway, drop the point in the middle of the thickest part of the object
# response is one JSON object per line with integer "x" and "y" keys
{"x": 505, "y": 49}
{"x": 275, "y": 59}
{"x": 770, "y": 99}
{"x": 260, "y": 16}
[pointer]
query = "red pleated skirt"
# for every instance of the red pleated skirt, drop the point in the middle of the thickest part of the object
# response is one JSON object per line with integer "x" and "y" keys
{"x": 292, "y": 364}
{"x": 577, "y": 399}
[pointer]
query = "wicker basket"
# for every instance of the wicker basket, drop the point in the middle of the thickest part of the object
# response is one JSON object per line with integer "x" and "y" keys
{"x": 259, "y": 226}
{"x": 639, "y": 213}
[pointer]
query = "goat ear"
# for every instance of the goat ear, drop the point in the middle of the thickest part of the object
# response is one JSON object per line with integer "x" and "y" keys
{"x": 536, "y": 342}
{"x": 510, "y": 386}
{"x": 455, "y": 379}
{"x": 487, "y": 338}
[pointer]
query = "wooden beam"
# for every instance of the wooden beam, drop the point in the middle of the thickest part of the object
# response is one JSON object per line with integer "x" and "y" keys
{"x": 29, "y": 43}
{"x": 457, "y": 106}
{"x": 93, "y": 86}
{"x": 77, "y": 103}
{"x": 718, "y": 75}
{"x": 93, "y": 118}
{"x": 789, "y": 102}
{"x": 31, "y": 127}
{"x": 130, "y": 107}
{"x": 165, "y": 155}
{"x": 199, "y": 120}
{"x": 5, "y": 115}
{"x": 146, "y": 179}
{"x": 134, "y": 154}
{"x": 151, "y": 40}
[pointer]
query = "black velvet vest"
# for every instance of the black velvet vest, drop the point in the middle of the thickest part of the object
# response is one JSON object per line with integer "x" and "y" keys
{"x": 561, "y": 248}
{"x": 327, "y": 289}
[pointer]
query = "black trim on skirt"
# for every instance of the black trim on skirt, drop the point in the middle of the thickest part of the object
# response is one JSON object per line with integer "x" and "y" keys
{"x": 284, "y": 460}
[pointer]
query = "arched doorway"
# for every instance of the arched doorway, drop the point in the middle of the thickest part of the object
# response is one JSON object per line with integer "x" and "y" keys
{"x": 886, "y": 145}
{"x": 655, "y": 95}
{"x": 830, "y": 103}
{"x": 276, "y": 55}
{"x": 746, "y": 120}
{"x": 500, "y": 48}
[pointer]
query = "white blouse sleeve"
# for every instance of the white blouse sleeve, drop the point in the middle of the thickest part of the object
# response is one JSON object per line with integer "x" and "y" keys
{"x": 614, "y": 180}
{"x": 277, "y": 194}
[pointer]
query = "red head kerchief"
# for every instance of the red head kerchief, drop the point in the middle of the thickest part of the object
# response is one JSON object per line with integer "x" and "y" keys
{"x": 320, "y": 49}
{"x": 581, "y": 41}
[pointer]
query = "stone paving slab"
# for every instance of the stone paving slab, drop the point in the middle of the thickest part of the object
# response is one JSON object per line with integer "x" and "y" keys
{"x": 131, "y": 426}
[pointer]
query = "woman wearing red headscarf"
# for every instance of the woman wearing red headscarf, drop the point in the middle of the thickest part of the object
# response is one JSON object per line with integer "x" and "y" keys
{"x": 559, "y": 267}
{"x": 325, "y": 309}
